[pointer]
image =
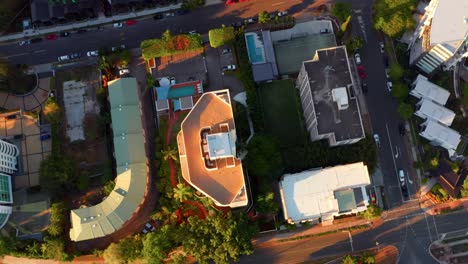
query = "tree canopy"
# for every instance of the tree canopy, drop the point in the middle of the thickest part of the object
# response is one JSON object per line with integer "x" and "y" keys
{"x": 396, "y": 72}
{"x": 266, "y": 203}
{"x": 464, "y": 189}
{"x": 263, "y": 17}
{"x": 394, "y": 17}
{"x": 57, "y": 174}
{"x": 405, "y": 110}
{"x": 128, "y": 249}
{"x": 170, "y": 45}
{"x": 341, "y": 11}
{"x": 400, "y": 90}
{"x": 354, "y": 44}
{"x": 57, "y": 219}
{"x": 221, "y": 36}
{"x": 372, "y": 212}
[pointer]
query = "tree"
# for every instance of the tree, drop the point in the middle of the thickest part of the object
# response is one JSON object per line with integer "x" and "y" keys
{"x": 266, "y": 203}
{"x": 464, "y": 189}
{"x": 54, "y": 248}
{"x": 400, "y": 90}
{"x": 131, "y": 247}
{"x": 182, "y": 192}
{"x": 263, "y": 17}
{"x": 170, "y": 153}
{"x": 349, "y": 259}
{"x": 396, "y": 72}
{"x": 394, "y": 17}
{"x": 57, "y": 219}
{"x": 405, "y": 110}
{"x": 7, "y": 245}
{"x": 52, "y": 111}
{"x": 113, "y": 254}
{"x": 221, "y": 239}
{"x": 372, "y": 212}
{"x": 57, "y": 174}
{"x": 353, "y": 44}
{"x": 367, "y": 258}
{"x": 341, "y": 11}
{"x": 221, "y": 36}
{"x": 167, "y": 35}
{"x": 158, "y": 244}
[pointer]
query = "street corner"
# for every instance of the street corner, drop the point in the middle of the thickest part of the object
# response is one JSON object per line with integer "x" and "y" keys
{"x": 387, "y": 255}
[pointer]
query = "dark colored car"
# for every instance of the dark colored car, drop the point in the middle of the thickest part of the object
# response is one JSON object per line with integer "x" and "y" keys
{"x": 64, "y": 34}
{"x": 75, "y": 55}
{"x": 182, "y": 12}
{"x": 9, "y": 117}
{"x": 158, "y": 16}
{"x": 364, "y": 87}
{"x": 404, "y": 191}
{"x": 51, "y": 37}
{"x": 385, "y": 61}
{"x": 36, "y": 40}
{"x": 45, "y": 137}
{"x": 401, "y": 129}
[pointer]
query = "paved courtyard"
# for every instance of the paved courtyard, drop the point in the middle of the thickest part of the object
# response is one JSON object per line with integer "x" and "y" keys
{"x": 184, "y": 67}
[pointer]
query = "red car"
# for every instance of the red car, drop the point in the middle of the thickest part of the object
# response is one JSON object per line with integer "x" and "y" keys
{"x": 361, "y": 72}
{"x": 130, "y": 22}
{"x": 51, "y": 37}
{"x": 230, "y": 2}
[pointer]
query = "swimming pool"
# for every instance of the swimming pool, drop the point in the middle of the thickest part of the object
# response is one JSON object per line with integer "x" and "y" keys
{"x": 255, "y": 53}
{"x": 181, "y": 92}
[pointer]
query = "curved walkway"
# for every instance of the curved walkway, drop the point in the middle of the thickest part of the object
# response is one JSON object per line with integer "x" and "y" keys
{"x": 29, "y": 102}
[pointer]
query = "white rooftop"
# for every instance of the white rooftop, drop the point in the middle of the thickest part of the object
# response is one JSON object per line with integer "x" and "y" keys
{"x": 428, "y": 90}
{"x": 310, "y": 194}
{"x": 448, "y": 137}
{"x": 435, "y": 112}
{"x": 220, "y": 146}
{"x": 448, "y": 23}
{"x": 340, "y": 96}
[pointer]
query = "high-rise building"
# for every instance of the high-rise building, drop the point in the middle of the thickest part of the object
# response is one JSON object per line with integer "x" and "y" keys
{"x": 8, "y": 155}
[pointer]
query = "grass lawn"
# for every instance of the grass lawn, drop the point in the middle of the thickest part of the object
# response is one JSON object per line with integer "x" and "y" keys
{"x": 282, "y": 112}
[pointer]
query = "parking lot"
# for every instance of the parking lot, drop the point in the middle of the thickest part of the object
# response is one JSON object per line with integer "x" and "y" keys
{"x": 184, "y": 67}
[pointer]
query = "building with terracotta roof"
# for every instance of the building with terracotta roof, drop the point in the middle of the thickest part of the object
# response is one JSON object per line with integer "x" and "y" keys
{"x": 129, "y": 152}
{"x": 450, "y": 180}
{"x": 207, "y": 150}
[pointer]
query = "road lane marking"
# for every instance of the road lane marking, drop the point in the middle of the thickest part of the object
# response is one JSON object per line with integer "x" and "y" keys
{"x": 275, "y": 4}
{"x": 428, "y": 230}
{"x": 37, "y": 51}
{"x": 363, "y": 27}
{"x": 394, "y": 163}
{"x": 15, "y": 55}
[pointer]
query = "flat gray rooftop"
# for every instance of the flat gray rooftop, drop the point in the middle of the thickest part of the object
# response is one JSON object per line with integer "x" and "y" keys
{"x": 328, "y": 72}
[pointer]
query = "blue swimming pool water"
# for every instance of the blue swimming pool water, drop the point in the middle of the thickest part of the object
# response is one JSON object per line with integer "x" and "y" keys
{"x": 181, "y": 92}
{"x": 255, "y": 53}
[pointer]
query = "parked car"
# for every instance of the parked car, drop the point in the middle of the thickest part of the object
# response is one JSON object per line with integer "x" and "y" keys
{"x": 389, "y": 86}
{"x": 231, "y": 67}
{"x": 123, "y": 72}
{"x": 251, "y": 20}
{"x": 172, "y": 80}
{"x": 75, "y": 55}
{"x": 385, "y": 61}
{"x": 169, "y": 14}
{"x": 377, "y": 140}
{"x": 113, "y": 49}
{"x": 357, "y": 58}
{"x": 364, "y": 87}
{"x": 237, "y": 24}
{"x": 158, "y": 16}
{"x": 150, "y": 227}
{"x": 282, "y": 13}
{"x": 192, "y": 32}
{"x": 402, "y": 129}
{"x": 64, "y": 34}
{"x": 382, "y": 47}
{"x": 401, "y": 177}
{"x": 387, "y": 74}
{"x": 361, "y": 72}
{"x": 45, "y": 137}
{"x": 21, "y": 43}
{"x": 130, "y": 22}
{"x": 118, "y": 25}
{"x": 63, "y": 58}
{"x": 404, "y": 191}
{"x": 144, "y": 231}
{"x": 93, "y": 53}
{"x": 227, "y": 51}
{"x": 51, "y": 37}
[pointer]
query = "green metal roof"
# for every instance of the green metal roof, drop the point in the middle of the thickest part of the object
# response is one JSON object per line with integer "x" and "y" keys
{"x": 129, "y": 151}
{"x": 6, "y": 194}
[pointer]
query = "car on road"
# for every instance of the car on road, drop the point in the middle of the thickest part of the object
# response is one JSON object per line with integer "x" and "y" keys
{"x": 114, "y": 49}
{"x": 226, "y": 51}
{"x": 123, "y": 72}
{"x": 75, "y": 55}
{"x": 401, "y": 177}
{"x": 231, "y": 67}
{"x": 63, "y": 58}
{"x": 169, "y": 14}
{"x": 385, "y": 61}
{"x": 158, "y": 16}
{"x": 377, "y": 140}
{"x": 364, "y": 87}
{"x": 237, "y": 24}
{"x": 382, "y": 47}
{"x": 361, "y": 72}
{"x": 402, "y": 129}
{"x": 389, "y": 86}
{"x": 130, "y": 22}
{"x": 51, "y": 37}
{"x": 192, "y": 32}
{"x": 251, "y": 20}
{"x": 117, "y": 25}
{"x": 172, "y": 80}
{"x": 404, "y": 191}
{"x": 387, "y": 74}
{"x": 92, "y": 53}
{"x": 21, "y": 43}
{"x": 282, "y": 13}
{"x": 64, "y": 34}
{"x": 357, "y": 58}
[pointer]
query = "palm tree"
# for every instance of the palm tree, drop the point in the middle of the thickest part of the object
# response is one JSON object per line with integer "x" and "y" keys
{"x": 170, "y": 153}
{"x": 182, "y": 192}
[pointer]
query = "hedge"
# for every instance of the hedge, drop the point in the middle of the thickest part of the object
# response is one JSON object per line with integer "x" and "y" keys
{"x": 155, "y": 48}
{"x": 220, "y": 36}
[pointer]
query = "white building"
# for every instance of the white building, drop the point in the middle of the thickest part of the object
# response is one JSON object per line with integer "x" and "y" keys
{"x": 325, "y": 193}
{"x": 440, "y": 39}
{"x": 6, "y": 198}
{"x": 8, "y": 155}
{"x": 440, "y": 135}
{"x": 427, "y": 109}
{"x": 422, "y": 88}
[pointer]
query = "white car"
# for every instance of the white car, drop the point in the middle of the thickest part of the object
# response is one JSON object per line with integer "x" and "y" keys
{"x": 192, "y": 32}
{"x": 401, "y": 176}
{"x": 382, "y": 47}
{"x": 389, "y": 86}
{"x": 117, "y": 48}
{"x": 92, "y": 53}
{"x": 231, "y": 67}
{"x": 150, "y": 227}
{"x": 21, "y": 43}
{"x": 118, "y": 25}
{"x": 377, "y": 140}
{"x": 123, "y": 72}
{"x": 282, "y": 13}
{"x": 357, "y": 58}
{"x": 63, "y": 58}
{"x": 172, "y": 80}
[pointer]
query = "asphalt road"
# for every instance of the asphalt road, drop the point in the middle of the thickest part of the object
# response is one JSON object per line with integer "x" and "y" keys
{"x": 411, "y": 234}
{"x": 393, "y": 151}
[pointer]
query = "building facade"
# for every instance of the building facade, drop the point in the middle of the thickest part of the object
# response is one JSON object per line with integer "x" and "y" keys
{"x": 8, "y": 157}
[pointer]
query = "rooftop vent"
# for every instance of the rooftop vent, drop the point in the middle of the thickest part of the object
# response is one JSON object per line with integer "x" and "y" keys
{"x": 340, "y": 96}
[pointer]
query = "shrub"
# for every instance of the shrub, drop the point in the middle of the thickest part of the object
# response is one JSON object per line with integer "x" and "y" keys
{"x": 405, "y": 110}
{"x": 372, "y": 212}
{"x": 170, "y": 45}
{"x": 57, "y": 219}
{"x": 342, "y": 11}
{"x": 221, "y": 36}
{"x": 393, "y": 17}
{"x": 263, "y": 17}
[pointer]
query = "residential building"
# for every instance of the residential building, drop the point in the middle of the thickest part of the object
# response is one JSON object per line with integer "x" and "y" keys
{"x": 132, "y": 168}
{"x": 452, "y": 180}
{"x": 331, "y": 111}
{"x": 424, "y": 89}
{"x": 175, "y": 97}
{"x": 427, "y": 109}
{"x": 48, "y": 12}
{"x": 324, "y": 193}
{"x": 6, "y": 198}
{"x": 441, "y": 135}
{"x": 207, "y": 150}
{"x": 441, "y": 37}
{"x": 8, "y": 157}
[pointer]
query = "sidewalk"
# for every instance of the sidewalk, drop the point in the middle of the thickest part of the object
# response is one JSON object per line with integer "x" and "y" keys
{"x": 434, "y": 209}
{"x": 90, "y": 23}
